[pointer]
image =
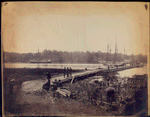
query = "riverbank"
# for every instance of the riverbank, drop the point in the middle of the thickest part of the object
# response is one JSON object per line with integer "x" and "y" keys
{"x": 24, "y": 74}
{"x": 13, "y": 79}
{"x": 36, "y": 103}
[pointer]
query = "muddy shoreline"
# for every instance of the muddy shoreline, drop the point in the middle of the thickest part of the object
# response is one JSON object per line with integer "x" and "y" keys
{"x": 24, "y": 74}
{"x": 35, "y": 71}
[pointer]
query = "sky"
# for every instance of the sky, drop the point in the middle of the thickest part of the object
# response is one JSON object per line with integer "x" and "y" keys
{"x": 75, "y": 26}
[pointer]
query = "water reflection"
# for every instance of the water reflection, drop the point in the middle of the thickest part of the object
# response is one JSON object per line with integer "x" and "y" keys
{"x": 133, "y": 71}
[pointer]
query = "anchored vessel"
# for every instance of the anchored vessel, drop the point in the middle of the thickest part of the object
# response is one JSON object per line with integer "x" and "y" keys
{"x": 40, "y": 61}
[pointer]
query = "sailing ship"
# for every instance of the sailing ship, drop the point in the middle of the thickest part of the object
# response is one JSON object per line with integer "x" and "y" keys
{"x": 114, "y": 63}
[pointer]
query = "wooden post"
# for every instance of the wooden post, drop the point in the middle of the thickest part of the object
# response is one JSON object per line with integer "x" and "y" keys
{"x": 72, "y": 79}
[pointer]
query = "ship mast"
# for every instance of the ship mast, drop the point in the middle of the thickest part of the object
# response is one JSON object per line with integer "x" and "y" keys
{"x": 38, "y": 53}
{"x": 115, "y": 55}
{"x": 110, "y": 48}
{"x": 110, "y": 52}
{"x": 107, "y": 49}
{"x": 124, "y": 51}
{"x": 38, "y": 48}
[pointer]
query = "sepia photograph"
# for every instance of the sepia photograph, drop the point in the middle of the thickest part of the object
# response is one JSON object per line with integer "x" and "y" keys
{"x": 75, "y": 58}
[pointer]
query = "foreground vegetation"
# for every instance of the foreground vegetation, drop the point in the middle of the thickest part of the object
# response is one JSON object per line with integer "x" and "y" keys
{"x": 37, "y": 103}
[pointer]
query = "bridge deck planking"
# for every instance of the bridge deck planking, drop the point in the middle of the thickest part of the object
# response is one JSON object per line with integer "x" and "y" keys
{"x": 88, "y": 73}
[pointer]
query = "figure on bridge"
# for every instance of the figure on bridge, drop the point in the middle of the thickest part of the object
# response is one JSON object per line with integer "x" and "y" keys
{"x": 48, "y": 76}
{"x": 67, "y": 72}
{"x": 70, "y": 71}
{"x": 64, "y": 71}
{"x": 108, "y": 67}
{"x": 55, "y": 85}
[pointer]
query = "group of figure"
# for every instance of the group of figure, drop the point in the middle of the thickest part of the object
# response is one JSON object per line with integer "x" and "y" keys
{"x": 56, "y": 84}
{"x": 67, "y": 72}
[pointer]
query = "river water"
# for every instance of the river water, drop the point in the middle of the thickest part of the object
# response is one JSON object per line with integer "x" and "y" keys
{"x": 133, "y": 71}
{"x": 124, "y": 73}
{"x": 53, "y": 65}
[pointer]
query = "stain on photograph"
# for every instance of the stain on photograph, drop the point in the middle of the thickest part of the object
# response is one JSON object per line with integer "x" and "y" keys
{"x": 75, "y": 58}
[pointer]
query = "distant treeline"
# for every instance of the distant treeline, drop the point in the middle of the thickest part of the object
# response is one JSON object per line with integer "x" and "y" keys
{"x": 70, "y": 57}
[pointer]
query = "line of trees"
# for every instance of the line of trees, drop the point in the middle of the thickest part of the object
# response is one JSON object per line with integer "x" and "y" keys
{"x": 70, "y": 57}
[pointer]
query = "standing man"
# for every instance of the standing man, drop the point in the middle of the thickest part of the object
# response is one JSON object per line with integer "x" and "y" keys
{"x": 70, "y": 71}
{"x": 67, "y": 72}
{"x": 108, "y": 67}
{"x": 64, "y": 71}
{"x": 48, "y": 76}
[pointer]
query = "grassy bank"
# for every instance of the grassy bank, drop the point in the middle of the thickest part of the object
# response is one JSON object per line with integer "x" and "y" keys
{"x": 24, "y": 74}
{"x": 34, "y": 71}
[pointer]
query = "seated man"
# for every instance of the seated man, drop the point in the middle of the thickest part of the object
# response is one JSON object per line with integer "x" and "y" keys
{"x": 47, "y": 85}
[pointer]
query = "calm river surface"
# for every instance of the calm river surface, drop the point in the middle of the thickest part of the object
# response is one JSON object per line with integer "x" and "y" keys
{"x": 53, "y": 65}
{"x": 134, "y": 71}
{"x": 128, "y": 72}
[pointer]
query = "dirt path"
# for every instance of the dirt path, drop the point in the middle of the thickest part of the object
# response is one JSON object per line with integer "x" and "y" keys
{"x": 31, "y": 100}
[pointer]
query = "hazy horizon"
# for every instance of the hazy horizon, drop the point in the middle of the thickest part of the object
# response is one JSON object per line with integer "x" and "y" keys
{"x": 76, "y": 51}
{"x": 75, "y": 26}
